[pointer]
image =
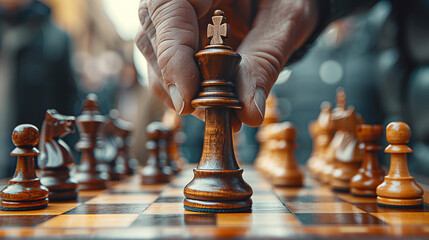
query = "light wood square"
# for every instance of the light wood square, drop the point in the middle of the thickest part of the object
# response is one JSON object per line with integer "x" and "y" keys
{"x": 123, "y": 199}
{"x": 90, "y": 221}
{"x": 256, "y": 219}
{"x": 404, "y": 218}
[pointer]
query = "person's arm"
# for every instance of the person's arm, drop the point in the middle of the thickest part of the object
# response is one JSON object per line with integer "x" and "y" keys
{"x": 329, "y": 11}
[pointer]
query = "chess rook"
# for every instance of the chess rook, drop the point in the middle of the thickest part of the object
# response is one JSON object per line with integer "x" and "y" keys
{"x": 399, "y": 188}
{"x": 24, "y": 191}
{"x": 369, "y": 175}
{"x": 55, "y": 157}
{"x": 89, "y": 123}
{"x": 217, "y": 185}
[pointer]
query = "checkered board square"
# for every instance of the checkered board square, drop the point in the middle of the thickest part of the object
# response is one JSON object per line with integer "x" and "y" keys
{"x": 129, "y": 209}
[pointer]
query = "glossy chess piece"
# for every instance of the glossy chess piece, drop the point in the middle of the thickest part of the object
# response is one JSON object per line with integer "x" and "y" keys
{"x": 272, "y": 115}
{"x": 56, "y": 158}
{"x": 173, "y": 122}
{"x": 89, "y": 123}
{"x": 107, "y": 154}
{"x": 287, "y": 172}
{"x": 24, "y": 191}
{"x": 399, "y": 189}
{"x": 125, "y": 164}
{"x": 155, "y": 170}
{"x": 218, "y": 185}
{"x": 369, "y": 175}
{"x": 322, "y": 132}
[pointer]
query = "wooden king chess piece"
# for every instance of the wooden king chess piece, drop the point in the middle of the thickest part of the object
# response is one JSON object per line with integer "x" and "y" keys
{"x": 287, "y": 172}
{"x": 55, "y": 157}
{"x": 321, "y": 132}
{"x": 369, "y": 175}
{"x": 399, "y": 188}
{"x": 89, "y": 123}
{"x": 155, "y": 170}
{"x": 24, "y": 191}
{"x": 218, "y": 185}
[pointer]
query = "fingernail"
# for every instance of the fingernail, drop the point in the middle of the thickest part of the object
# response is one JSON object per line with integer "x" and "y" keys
{"x": 177, "y": 98}
{"x": 259, "y": 100}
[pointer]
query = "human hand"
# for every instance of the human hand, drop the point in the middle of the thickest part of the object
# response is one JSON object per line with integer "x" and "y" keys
{"x": 169, "y": 39}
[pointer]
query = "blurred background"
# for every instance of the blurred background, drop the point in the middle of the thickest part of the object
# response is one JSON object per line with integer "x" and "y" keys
{"x": 54, "y": 52}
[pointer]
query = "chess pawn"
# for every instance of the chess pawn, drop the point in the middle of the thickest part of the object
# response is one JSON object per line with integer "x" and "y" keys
{"x": 218, "y": 185}
{"x": 125, "y": 163}
{"x": 287, "y": 172}
{"x": 155, "y": 171}
{"x": 369, "y": 175}
{"x": 321, "y": 132}
{"x": 55, "y": 157}
{"x": 272, "y": 115}
{"x": 171, "y": 161}
{"x": 24, "y": 191}
{"x": 173, "y": 121}
{"x": 399, "y": 189}
{"x": 89, "y": 124}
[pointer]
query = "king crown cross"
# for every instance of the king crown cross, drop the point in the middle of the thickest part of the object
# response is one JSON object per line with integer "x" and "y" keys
{"x": 218, "y": 31}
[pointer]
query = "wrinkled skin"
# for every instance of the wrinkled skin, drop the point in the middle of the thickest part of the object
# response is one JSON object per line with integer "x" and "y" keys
{"x": 265, "y": 33}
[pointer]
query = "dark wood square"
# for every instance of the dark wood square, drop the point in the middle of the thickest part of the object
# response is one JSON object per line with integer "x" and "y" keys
{"x": 108, "y": 209}
{"x": 310, "y": 199}
{"x": 24, "y": 220}
{"x": 174, "y": 220}
{"x": 338, "y": 219}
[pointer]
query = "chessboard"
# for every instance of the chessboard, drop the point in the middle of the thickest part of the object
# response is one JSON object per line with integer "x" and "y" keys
{"x": 129, "y": 209}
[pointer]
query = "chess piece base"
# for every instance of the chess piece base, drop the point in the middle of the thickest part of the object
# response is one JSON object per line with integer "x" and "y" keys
{"x": 405, "y": 203}
{"x": 217, "y": 207}
{"x": 24, "y": 205}
{"x": 295, "y": 181}
{"x": 155, "y": 179}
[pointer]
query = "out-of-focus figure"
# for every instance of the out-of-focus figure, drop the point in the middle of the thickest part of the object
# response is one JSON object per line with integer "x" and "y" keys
{"x": 35, "y": 66}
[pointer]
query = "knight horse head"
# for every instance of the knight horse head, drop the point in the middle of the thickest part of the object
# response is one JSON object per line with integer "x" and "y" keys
{"x": 54, "y": 151}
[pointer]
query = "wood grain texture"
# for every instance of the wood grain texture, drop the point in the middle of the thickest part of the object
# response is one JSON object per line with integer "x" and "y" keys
{"x": 24, "y": 191}
{"x": 217, "y": 185}
{"x": 399, "y": 188}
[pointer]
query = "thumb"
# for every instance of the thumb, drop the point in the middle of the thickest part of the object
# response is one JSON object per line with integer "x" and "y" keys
{"x": 279, "y": 28}
{"x": 176, "y": 28}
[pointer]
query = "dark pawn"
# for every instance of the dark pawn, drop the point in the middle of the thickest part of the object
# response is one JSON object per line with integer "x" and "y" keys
{"x": 56, "y": 157}
{"x": 108, "y": 153}
{"x": 155, "y": 171}
{"x": 168, "y": 135}
{"x": 24, "y": 191}
{"x": 89, "y": 123}
{"x": 369, "y": 175}
{"x": 125, "y": 164}
{"x": 218, "y": 185}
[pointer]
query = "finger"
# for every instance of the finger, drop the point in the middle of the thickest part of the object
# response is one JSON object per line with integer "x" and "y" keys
{"x": 279, "y": 28}
{"x": 176, "y": 28}
{"x": 157, "y": 88}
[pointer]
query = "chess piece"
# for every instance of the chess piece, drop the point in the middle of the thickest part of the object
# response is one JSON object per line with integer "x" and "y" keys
{"x": 89, "y": 123}
{"x": 272, "y": 114}
{"x": 125, "y": 164}
{"x": 339, "y": 111}
{"x": 348, "y": 157}
{"x": 107, "y": 154}
{"x": 169, "y": 142}
{"x": 217, "y": 185}
{"x": 287, "y": 172}
{"x": 173, "y": 122}
{"x": 399, "y": 188}
{"x": 55, "y": 157}
{"x": 155, "y": 170}
{"x": 321, "y": 132}
{"x": 24, "y": 191}
{"x": 369, "y": 175}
